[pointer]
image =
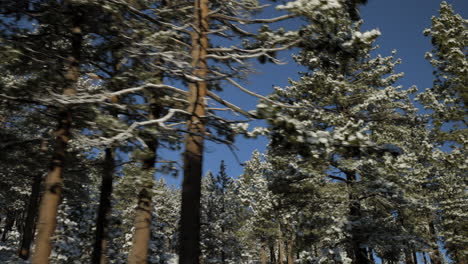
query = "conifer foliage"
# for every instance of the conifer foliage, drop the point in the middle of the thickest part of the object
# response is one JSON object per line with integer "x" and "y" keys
{"x": 101, "y": 102}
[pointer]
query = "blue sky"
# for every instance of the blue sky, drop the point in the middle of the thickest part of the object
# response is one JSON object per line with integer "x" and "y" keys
{"x": 401, "y": 23}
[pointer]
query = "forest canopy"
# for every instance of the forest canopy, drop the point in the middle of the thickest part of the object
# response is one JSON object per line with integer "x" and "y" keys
{"x": 101, "y": 102}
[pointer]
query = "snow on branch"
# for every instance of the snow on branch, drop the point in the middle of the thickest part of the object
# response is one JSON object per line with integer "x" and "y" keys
{"x": 128, "y": 133}
{"x": 230, "y": 105}
{"x": 97, "y": 98}
{"x": 252, "y": 21}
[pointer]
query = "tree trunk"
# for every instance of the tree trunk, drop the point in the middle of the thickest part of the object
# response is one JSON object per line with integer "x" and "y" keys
{"x": 53, "y": 183}
{"x": 415, "y": 257}
{"x": 359, "y": 253}
{"x": 272, "y": 253}
{"x": 290, "y": 251}
{"x": 316, "y": 254}
{"x": 9, "y": 223}
{"x": 142, "y": 233}
{"x": 263, "y": 257}
{"x": 371, "y": 255}
{"x": 461, "y": 257}
{"x": 408, "y": 257}
{"x": 101, "y": 236}
{"x": 30, "y": 223}
{"x": 435, "y": 255}
{"x": 193, "y": 155}
{"x": 280, "y": 246}
{"x": 424, "y": 257}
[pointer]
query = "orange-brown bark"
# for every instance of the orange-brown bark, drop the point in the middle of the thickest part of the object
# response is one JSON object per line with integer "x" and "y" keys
{"x": 54, "y": 182}
{"x": 142, "y": 234}
{"x": 194, "y": 141}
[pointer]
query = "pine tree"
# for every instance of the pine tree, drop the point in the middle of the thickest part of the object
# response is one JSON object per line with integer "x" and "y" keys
{"x": 221, "y": 217}
{"x": 446, "y": 101}
{"x": 346, "y": 119}
{"x": 260, "y": 226}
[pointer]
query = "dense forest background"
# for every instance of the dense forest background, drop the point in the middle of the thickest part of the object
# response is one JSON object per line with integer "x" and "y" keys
{"x": 99, "y": 97}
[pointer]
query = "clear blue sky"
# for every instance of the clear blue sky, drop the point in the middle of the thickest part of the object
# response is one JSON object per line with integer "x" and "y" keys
{"x": 401, "y": 23}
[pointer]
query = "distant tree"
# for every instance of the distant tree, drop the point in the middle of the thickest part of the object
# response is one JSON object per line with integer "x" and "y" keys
{"x": 221, "y": 219}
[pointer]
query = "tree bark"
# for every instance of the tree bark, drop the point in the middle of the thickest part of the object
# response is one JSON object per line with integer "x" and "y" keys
{"x": 272, "y": 253}
{"x": 9, "y": 223}
{"x": 263, "y": 257}
{"x": 280, "y": 246}
{"x": 101, "y": 236}
{"x": 30, "y": 223}
{"x": 415, "y": 257}
{"x": 189, "y": 251}
{"x": 371, "y": 255}
{"x": 360, "y": 254}
{"x": 290, "y": 251}
{"x": 142, "y": 234}
{"x": 435, "y": 255}
{"x": 408, "y": 257}
{"x": 424, "y": 257}
{"x": 54, "y": 182}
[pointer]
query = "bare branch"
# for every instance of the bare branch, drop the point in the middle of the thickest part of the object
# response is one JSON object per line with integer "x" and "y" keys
{"x": 230, "y": 105}
{"x": 252, "y": 21}
{"x": 258, "y": 95}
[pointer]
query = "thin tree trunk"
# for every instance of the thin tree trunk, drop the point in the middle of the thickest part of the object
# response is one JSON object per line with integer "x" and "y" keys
{"x": 280, "y": 246}
{"x": 360, "y": 254}
{"x": 53, "y": 183}
{"x": 263, "y": 257}
{"x": 29, "y": 225}
{"x": 316, "y": 251}
{"x": 408, "y": 257}
{"x": 272, "y": 253}
{"x": 100, "y": 242}
{"x": 9, "y": 223}
{"x": 435, "y": 255}
{"x": 371, "y": 255}
{"x": 461, "y": 257}
{"x": 290, "y": 251}
{"x": 424, "y": 257}
{"x": 415, "y": 257}
{"x": 193, "y": 155}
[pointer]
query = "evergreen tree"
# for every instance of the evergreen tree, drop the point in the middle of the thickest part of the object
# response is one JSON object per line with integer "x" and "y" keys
{"x": 221, "y": 212}
{"x": 446, "y": 101}
{"x": 346, "y": 119}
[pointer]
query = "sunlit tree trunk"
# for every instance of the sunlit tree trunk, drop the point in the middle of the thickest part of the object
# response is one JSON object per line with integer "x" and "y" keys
{"x": 142, "y": 224}
{"x": 290, "y": 252}
{"x": 189, "y": 251}
{"x": 53, "y": 183}
{"x": 280, "y": 246}
{"x": 263, "y": 256}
